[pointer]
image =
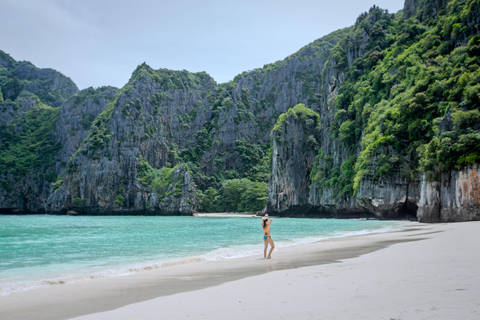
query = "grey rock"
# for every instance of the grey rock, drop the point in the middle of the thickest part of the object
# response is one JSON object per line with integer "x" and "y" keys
{"x": 6, "y": 60}
{"x": 454, "y": 197}
{"x": 142, "y": 122}
{"x": 423, "y": 9}
{"x": 390, "y": 198}
{"x": 43, "y": 82}
{"x": 292, "y": 161}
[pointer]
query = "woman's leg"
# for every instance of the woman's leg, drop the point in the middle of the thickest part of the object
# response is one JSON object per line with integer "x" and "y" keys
{"x": 265, "y": 250}
{"x": 272, "y": 246}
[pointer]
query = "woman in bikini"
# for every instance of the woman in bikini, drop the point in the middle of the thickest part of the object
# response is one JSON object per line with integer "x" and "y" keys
{"x": 266, "y": 222}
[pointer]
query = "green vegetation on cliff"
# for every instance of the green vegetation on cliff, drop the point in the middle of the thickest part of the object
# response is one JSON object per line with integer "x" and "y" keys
{"x": 395, "y": 95}
{"x": 157, "y": 179}
{"x": 298, "y": 112}
{"x": 26, "y": 145}
{"x": 51, "y": 87}
{"x": 235, "y": 195}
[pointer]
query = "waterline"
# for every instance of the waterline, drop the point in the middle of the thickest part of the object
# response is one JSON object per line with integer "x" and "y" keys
{"x": 50, "y": 250}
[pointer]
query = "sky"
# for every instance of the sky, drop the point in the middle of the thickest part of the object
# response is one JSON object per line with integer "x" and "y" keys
{"x": 101, "y": 42}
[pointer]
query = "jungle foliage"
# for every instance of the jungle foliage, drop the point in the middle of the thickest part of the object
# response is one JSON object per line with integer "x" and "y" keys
{"x": 27, "y": 145}
{"x": 416, "y": 74}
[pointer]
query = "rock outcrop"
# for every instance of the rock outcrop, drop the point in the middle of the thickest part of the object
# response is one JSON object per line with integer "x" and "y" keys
{"x": 423, "y": 9}
{"x": 177, "y": 197}
{"x": 76, "y": 118}
{"x": 454, "y": 197}
{"x": 295, "y": 189}
{"x": 294, "y": 139}
{"x": 65, "y": 130}
{"x": 125, "y": 165}
{"x": 389, "y": 198}
{"x": 44, "y": 82}
{"x": 258, "y": 97}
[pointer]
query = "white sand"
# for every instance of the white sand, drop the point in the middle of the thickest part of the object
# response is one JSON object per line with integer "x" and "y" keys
{"x": 435, "y": 277}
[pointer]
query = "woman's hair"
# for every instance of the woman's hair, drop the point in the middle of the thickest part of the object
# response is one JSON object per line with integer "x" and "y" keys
{"x": 265, "y": 222}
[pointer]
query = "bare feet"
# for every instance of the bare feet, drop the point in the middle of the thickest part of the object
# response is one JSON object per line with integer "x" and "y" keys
{"x": 268, "y": 257}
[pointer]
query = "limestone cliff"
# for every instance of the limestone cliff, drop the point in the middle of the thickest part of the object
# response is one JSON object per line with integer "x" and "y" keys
{"x": 331, "y": 191}
{"x": 52, "y": 133}
{"x": 29, "y": 108}
{"x": 126, "y": 165}
{"x": 423, "y": 9}
{"x": 370, "y": 149}
{"x": 454, "y": 197}
{"x": 76, "y": 117}
{"x": 50, "y": 86}
{"x": 299, "y": 164}
{"x": 295, "y": 143}
{"x": 256, "y": 98}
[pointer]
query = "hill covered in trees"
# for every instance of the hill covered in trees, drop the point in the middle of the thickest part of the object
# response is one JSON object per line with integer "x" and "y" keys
{"x": 395, "y": 125}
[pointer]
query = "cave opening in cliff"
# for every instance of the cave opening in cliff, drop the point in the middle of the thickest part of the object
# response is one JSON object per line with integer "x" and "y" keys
{"x": 408, "y": 211}
{"x": 8, "y": 211}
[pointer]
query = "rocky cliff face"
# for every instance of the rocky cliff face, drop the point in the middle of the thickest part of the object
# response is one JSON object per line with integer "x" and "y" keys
{"x": 157, "y": 119}
{"x": 294, "y": 146}
{"x": 256, "y": 98}
{"x": 177, "y": 197}
{"x": 389, "y": 198}
{"x": 125, "y": 165}
{"x": 50, "y": 86}
{"x": 43, "y": 82}
{"x": 76, "y": 118}
{"x": 10, "y": 111}
{"x": 297, "y": 166}
{"x": 358, "y": 172}
{"x": 29, "y": 109}
{"x": 330, "y": 195}
{"x": 64, "y": 130}
{"x": 22, "y": 184}
{"x": 423, "y": 9}
{"x": 454, "y": 197}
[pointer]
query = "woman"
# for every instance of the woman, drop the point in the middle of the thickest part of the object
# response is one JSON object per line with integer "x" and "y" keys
{"x": 266, "y": 222}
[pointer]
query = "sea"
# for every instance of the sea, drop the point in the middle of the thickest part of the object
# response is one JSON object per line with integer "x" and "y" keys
{"x": 43, "y": 250}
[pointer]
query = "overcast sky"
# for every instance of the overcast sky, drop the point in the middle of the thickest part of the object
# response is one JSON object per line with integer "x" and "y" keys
{"x": 101, "y": 42}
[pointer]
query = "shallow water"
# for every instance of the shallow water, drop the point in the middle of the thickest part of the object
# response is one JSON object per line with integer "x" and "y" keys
{"x": 41, "y": 250}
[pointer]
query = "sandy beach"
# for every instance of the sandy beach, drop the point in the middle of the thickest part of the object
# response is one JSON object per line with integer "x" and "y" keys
{"x": 427, "y": 271}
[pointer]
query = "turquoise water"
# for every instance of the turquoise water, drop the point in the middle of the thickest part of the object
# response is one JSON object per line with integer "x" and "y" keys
{"x": 42, "y": 250}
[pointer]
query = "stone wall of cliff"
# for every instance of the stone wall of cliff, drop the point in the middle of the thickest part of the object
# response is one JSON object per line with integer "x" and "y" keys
{"x": 29, "y": 110}
{"x": 256, "y": 99}
{"x": 455, "y": 196}
{"x": 296, "y": 187}
{"x": 372, "y": 151}
{"x": 423, "y": 9}
{"x": 127, "y": 163}
{"x": 76, "y": 117}
{"x": 295, "y": 143}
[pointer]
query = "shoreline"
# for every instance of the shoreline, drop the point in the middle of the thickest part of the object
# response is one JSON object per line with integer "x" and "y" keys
{"x": 15, "y": 283}
{"x": 138, "y": 293}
